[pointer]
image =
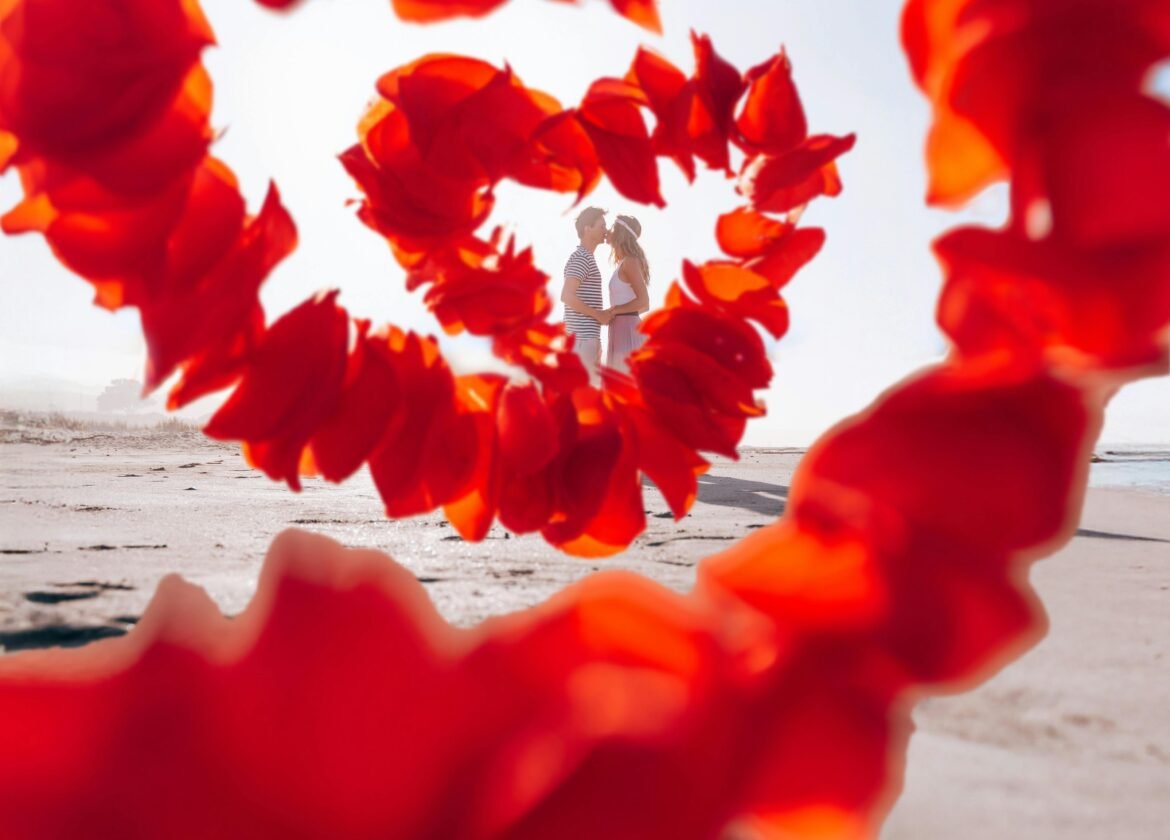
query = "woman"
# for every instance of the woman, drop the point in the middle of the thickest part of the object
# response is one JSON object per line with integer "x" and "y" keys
{"x": 627, "y": 291}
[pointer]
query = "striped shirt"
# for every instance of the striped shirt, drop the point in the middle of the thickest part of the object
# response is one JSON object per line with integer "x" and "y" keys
{"x": 583, "y": 266}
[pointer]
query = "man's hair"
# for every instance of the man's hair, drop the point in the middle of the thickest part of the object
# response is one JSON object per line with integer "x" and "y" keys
{"x": 587, "y": 218}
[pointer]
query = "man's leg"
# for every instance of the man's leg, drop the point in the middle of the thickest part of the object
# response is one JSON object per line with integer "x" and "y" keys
{"x": 589, "y": 349}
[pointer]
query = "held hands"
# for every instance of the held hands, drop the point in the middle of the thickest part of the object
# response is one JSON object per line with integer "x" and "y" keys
{"x": 604, "y": 316}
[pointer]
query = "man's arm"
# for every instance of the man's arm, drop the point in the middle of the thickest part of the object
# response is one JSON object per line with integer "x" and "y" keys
{"x": 571, "y": 300}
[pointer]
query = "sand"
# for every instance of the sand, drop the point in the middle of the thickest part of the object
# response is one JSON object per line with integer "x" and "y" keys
{"x": 1072, "y": 741}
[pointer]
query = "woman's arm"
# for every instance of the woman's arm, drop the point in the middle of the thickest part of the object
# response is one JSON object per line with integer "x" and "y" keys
{"x": 631, "y": 272}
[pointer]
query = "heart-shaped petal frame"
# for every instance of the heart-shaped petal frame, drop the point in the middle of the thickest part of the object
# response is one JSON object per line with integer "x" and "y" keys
{"x": 772, "y": 701}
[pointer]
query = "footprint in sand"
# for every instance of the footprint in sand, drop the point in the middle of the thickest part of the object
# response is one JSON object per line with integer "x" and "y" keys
{"x": 76, "y": 591}
{"x": 56, "y": 635}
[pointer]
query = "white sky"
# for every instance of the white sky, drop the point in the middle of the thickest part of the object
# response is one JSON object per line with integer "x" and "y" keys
{"x": 289, "y": 91}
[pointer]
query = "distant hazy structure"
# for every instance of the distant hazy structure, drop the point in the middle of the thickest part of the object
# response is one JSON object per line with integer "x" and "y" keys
{"x": 121, "y": 395}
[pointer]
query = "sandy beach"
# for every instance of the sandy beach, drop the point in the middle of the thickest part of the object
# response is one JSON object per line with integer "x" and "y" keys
{"x": 1071, "y": 741}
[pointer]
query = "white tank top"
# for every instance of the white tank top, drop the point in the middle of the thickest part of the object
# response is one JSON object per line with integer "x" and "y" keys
{"x": 619, "y": 290}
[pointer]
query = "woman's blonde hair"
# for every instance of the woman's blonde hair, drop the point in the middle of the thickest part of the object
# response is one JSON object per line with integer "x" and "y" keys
{"x": 626, "y": 230}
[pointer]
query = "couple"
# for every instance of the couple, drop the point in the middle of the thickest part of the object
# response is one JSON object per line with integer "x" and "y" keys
{"x": 627, "y": 291}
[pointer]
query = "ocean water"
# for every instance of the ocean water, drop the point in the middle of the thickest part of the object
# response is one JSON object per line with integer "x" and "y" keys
{"x": 1145, "y": 468}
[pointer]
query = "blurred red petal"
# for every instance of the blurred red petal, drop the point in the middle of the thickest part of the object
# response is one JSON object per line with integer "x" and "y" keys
{"x": 788, "y": 255}
{"x": 412, "y": 442}
{"x": 528, "y": 435}
{"x": 780, "y": 184}
{"x": 543, "y": 351}
{"x": 370, "y": 396}
{"x": 718, "y": 87}
{"x": 199, "y": 312}
{"x": 995, "y": 78}
{"x": 772, "y": 121}
{"x": 809, "y": 574}
{"x": 476, "y": 494}
{"x": 642, "y": 12}
{"x": 1101, "y": 167}
{"x": 731, "y": 343}
{"x": 580, "y": 475}
{"x": 220, "y": 365}
{"x": 622, "y": 516}
{"x": 427, "y": 11}
{"x": 487, "y": 293}
{"x": 998, "y": 455}
{"x": 292, "y": 386}
{"x": 670, "y": 94}
{"x": 739, "y": 291}
{"x": 526, "y": 502}
{"x": 672, "y": 465}
{"x": 561, "y": 157}
{"x": 611, "y": 116}
{"x": 404, "y": 197}
{"x": 1076, "y": 310}
{"x": 825, "y": 740}
{"x": 746, "y": 233}
{"x": 93, "y": 77}
{"x": 466, "y": 118}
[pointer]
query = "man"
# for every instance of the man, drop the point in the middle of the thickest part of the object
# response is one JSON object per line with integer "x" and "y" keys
{"x": 582, "y": 291}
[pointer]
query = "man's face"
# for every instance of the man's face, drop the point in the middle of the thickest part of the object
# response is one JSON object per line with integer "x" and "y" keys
{"x": 596, "y": 231}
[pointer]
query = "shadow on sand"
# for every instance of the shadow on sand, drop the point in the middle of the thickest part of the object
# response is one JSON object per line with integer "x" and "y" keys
{"x": 55, "y": 635}
{"x": 753, "y": 496}
{"x": 1106, "y": 535}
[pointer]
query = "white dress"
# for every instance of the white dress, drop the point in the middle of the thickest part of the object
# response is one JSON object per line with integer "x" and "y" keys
{"x": 624, "y": 337}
